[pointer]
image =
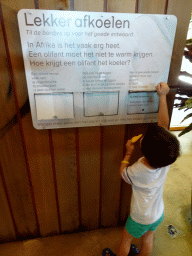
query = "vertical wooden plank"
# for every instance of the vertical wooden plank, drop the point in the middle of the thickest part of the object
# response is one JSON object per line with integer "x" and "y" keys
{"x": 152, "y": 6}
{"x": 182, "y": 10}
{"x": 66, "y": 171}
{"x": 54, "y": 4}
{"x": 121, "y": 6}
{"x": 78, "y": 175}
{"x": 13, "y": 38}
{"x": 52, "y": 152}
{"x": 89, "y": 145}
{"x": 101, "y": 173}
{"x": 38, "y": 149}
{"x": 7, "y": 105}
{"x": 13, "y": 149}
{"x": 7, "y": 102}
{"x": 89, "y": 6}
{"x": 7, "y": 230}
{"x": 13, "y": 164}
{"x": 112, "y": 156}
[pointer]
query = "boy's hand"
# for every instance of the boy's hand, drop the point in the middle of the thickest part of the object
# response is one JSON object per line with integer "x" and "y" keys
{"x": 162, "y": 89}
{"x": 129, "y": 147}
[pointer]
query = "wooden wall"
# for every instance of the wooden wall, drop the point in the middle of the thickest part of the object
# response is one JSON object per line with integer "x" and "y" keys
{"x": 64, "y": 180}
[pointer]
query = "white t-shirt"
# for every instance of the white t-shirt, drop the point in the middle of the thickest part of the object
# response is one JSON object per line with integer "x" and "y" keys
{"x": 147, "y": 197}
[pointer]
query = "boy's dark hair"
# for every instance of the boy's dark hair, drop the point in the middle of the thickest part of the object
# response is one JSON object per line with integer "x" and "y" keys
{"x": 159, "y": 146}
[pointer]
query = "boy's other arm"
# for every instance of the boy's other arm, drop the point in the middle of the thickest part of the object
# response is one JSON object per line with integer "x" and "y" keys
{"x": 128, "y": 153}
{"x": 163, "y": 116}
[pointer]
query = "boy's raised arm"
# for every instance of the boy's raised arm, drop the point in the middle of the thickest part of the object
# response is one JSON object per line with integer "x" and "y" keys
{"x": 129, "y": 150}
{"x": 163, "y": 116}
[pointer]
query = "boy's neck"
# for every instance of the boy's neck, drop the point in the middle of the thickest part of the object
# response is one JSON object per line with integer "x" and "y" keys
{"x": 146, "y": 163}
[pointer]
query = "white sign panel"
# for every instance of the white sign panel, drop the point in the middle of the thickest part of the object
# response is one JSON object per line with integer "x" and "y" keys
{"x": 91, "y": 68}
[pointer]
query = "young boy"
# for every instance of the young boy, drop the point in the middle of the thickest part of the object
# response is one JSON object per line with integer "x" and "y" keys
{"x": 147, "y": 177}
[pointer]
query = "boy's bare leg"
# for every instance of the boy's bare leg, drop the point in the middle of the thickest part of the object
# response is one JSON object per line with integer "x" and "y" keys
{"x": 125, "y": 244}
{"x": 147, "y": 244}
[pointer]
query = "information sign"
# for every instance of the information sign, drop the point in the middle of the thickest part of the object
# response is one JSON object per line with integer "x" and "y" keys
{"x": 92, "y": 68}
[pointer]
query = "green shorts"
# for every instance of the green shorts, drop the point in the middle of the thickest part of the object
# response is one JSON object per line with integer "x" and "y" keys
{"x": 137, "y": 230}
